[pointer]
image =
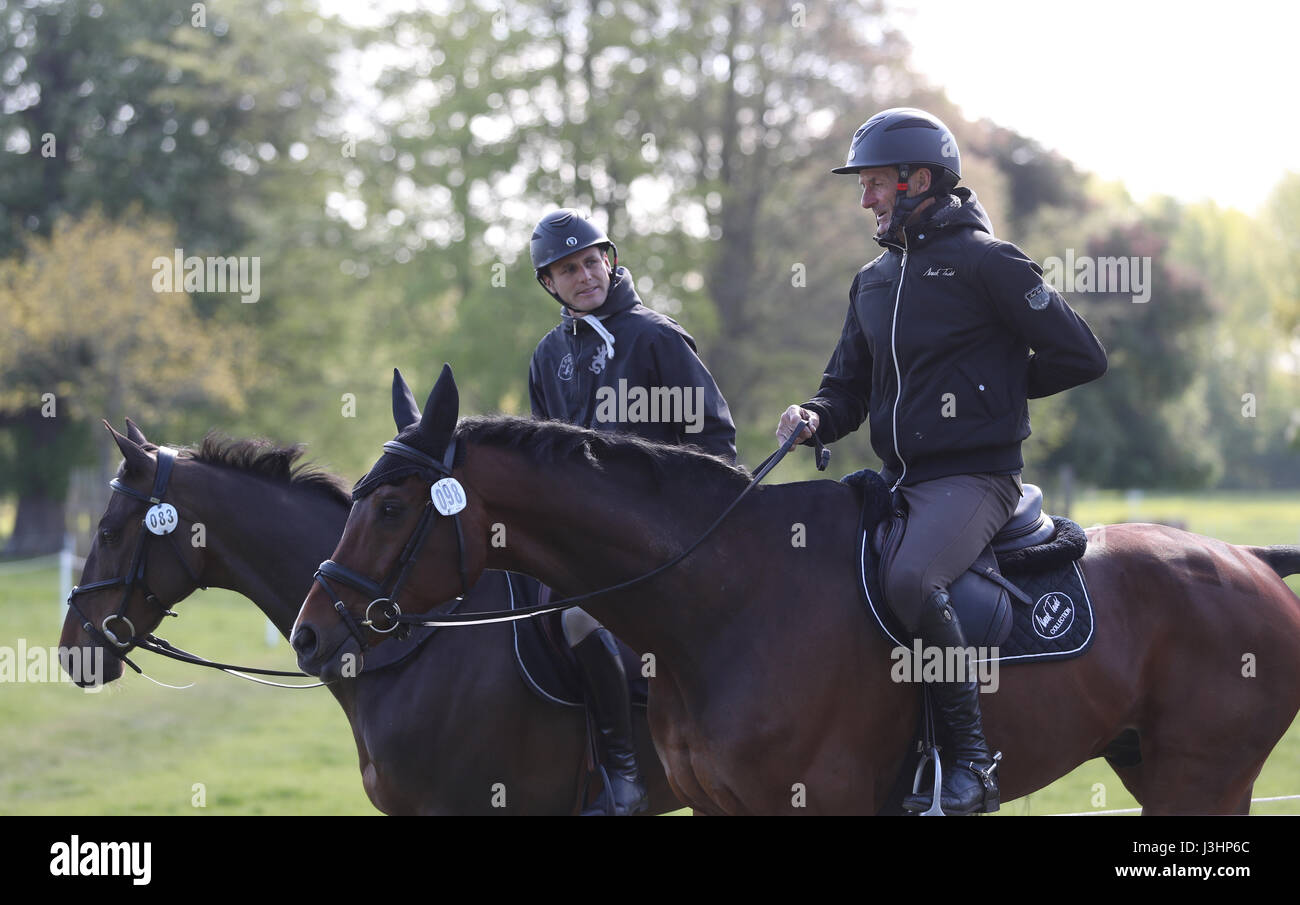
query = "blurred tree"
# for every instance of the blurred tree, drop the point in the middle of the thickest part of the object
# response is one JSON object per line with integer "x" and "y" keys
{"x": 184, "y": 110}
{"x": 700, "y": 133}
{"x": 1136, "y": 427}
{"x": 74, "y": 348}
{"x": 225, "y": 120}
{"x": 392, "y": 211}
{"x": 1249, "y": 385}
{"x": 1282, "y": 221}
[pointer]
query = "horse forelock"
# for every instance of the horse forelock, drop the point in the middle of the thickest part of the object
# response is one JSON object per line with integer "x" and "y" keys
{"x": 555, "y": 442}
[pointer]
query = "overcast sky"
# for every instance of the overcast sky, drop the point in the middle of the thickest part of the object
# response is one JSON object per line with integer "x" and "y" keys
{"x": 1191, "y": 99}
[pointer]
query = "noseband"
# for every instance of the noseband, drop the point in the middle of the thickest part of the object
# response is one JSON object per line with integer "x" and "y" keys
{"x": 446, "y": 497}
{"x": 159, "y": 521}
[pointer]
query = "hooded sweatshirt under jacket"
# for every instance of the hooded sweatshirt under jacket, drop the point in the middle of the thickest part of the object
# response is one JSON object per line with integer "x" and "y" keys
{"x": 936, "y": 345}
{"x": 630, "y": 369}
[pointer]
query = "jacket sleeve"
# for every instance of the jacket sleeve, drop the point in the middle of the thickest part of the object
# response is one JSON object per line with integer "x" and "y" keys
{"x": 844, "y": 398}
{"x": 1065, "y": 352}
{"x": 535, "y": 396}
{"x": 679, "y": 365}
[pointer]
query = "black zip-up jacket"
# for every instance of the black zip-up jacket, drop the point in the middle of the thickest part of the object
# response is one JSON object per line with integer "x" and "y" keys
{"x": 954, "y": 313}
{"x": 654, "y": 385}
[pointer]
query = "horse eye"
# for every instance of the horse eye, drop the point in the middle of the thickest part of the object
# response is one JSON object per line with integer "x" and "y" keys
{"x": 391, "y": 510}
{"x": 108, "y": 536}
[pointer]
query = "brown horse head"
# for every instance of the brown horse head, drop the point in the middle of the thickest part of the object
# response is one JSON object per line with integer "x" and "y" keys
{"x": 130, "y": 570}
{"x": 396, "y": 536}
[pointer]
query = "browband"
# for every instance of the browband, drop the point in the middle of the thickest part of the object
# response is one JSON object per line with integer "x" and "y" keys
{"x": 425, "y": 462}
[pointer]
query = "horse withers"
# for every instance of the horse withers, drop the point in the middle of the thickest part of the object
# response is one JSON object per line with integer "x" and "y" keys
{"x": 771, "y": 693}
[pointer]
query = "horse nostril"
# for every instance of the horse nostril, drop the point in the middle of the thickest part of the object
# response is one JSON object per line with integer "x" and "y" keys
{"x": 304, "y": 641}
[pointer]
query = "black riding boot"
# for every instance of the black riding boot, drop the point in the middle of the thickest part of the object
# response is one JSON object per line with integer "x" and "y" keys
{"x": 968, "y": 781}
{"x": 611, "y": 708}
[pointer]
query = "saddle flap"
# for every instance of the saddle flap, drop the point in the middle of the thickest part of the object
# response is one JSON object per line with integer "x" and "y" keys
{"x": 982, "y": 603}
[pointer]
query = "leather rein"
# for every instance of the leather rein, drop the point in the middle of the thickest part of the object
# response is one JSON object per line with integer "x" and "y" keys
{"x": 392, "y": 613}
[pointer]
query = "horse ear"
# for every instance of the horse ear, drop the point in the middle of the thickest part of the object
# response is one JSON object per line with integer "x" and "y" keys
{"x": 137, "y": 460}
{"x": 134, "y": 434}
{"x": 406, "y": 411}
{"x": 441, "y": 410}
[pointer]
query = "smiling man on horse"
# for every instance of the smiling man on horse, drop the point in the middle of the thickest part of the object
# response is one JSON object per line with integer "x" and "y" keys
{"x": 936, "y": 353}
{"x": 655, "y": 386}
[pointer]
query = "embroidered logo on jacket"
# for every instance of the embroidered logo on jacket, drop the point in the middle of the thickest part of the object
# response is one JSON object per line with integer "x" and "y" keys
{"x": 598, "y": 361}
{"x": 1039, "y": 296}
{"x": 566, "y": 367}
{"x": 940, "y": 272}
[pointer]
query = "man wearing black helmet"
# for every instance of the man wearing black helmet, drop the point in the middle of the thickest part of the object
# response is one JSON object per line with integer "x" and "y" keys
{"x": 609, "y": 353}
{"x": 949, "y": 333}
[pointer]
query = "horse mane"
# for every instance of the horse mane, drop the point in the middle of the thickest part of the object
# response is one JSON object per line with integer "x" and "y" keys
{"x": 552, "y": 442}
{"x": 267, "y": 460}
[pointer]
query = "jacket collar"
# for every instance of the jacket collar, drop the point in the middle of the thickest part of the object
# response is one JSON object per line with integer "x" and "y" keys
{"x": 958, "y": 210}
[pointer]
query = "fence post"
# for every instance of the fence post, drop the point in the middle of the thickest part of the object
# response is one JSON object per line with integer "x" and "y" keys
{"x": 66, "y": 559}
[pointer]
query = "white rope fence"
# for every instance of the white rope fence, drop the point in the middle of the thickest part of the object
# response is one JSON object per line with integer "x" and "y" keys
{"x": 15, "y": 566}
{"x": 66, "y": 560}
{"x": 1139, "y": 810}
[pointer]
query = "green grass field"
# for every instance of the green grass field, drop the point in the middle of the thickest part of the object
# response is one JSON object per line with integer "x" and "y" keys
{"x": 137, "y": 748}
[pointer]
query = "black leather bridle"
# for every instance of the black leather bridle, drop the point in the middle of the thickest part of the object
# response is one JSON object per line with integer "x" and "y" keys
{"x": 446, "y": 497}
{"x": 136, "y": 574}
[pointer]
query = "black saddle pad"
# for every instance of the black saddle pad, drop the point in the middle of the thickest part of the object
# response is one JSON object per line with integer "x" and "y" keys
{"x": 545, "y": 661}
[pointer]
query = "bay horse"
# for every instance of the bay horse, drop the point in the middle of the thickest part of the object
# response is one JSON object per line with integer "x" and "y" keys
{"x": 771, "y": 693}
{"x": 435, "y": 733}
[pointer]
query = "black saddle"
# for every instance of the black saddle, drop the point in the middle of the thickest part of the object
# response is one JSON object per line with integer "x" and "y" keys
{"x": 981, "y": 595}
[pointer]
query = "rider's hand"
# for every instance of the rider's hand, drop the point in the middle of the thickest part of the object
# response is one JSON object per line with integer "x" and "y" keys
{"x": 793, "y": 419}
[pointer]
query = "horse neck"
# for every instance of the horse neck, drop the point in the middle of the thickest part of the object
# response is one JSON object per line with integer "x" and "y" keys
{"x": 579, "y": 529}
{"x": 266, "y": 538}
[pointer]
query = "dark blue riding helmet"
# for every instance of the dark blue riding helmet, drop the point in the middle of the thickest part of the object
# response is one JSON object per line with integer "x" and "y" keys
{"x": 906, "y": 137}
{"x": 561, "y": 233}
{"x": 903, "y": 135}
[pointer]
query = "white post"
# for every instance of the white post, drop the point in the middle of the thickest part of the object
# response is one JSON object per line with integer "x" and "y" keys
{"x": 66, "y": 557}
{"x": 272, "y": 634}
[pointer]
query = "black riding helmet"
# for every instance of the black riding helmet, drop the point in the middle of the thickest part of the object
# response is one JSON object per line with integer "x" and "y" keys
{"x": 905, "y": 137}
{"x": 561, "y": 233}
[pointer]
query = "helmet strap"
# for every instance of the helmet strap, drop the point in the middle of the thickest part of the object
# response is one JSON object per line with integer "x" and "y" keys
{"x": 541, "y": 282}
{"x": 904, "y": 206}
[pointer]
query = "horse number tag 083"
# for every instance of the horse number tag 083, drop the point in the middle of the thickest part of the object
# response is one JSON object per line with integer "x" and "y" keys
{"x": 448, "y": 496}
{"x": 161, "y": 519}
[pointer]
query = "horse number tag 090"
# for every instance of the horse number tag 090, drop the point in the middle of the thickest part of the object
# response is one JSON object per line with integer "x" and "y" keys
{"x": 448, "y": 496}
{"x": 161, "y": 519}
